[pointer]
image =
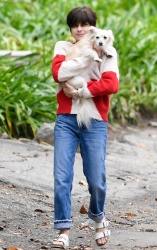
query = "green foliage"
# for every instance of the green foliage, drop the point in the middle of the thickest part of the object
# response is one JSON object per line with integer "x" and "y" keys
{"x": 136, "y": 44}
{"x": 27, "y": 95}
{"x": 27, "y": 90}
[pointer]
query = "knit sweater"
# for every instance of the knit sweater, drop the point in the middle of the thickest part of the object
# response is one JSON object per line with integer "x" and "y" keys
{"x": 102, "y": 80}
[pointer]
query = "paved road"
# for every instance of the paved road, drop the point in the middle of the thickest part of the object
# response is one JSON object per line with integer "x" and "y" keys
{"x": 26, "y": 184}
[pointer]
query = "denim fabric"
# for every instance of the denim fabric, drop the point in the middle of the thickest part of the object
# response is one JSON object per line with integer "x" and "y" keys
{"x": 67, "y": 136}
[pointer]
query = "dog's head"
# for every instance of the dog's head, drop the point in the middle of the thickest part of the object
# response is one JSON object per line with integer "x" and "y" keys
{"x": 102, "y": 38}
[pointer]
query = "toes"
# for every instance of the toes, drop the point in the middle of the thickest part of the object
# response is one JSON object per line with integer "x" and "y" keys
{"x": 102, "y": 241}
{"x": 58, "y": 243}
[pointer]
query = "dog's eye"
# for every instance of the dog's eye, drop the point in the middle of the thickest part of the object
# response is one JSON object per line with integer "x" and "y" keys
{"x": 105, "y": 37}
{"x": 97, "y": 37}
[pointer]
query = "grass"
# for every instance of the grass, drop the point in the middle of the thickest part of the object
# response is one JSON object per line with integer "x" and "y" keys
{"x": 27, "y": 90}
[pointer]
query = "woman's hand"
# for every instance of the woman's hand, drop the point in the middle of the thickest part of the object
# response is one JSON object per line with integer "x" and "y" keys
{"x": 68, "y": 89}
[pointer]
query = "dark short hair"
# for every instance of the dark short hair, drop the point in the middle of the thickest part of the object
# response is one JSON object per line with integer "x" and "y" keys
{"x": 82, "y": 15}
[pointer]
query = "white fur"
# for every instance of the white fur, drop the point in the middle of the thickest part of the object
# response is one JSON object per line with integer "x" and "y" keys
{"x": 102, "y": 40}
{"x": 83, "y": 47}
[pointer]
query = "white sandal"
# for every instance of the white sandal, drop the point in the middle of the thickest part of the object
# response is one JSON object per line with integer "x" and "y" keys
{"x": 61, "y": 238}
{"x": 106, "y": 233}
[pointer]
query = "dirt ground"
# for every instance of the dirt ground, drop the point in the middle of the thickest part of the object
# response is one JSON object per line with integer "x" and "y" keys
{"x": 26, "y": 194}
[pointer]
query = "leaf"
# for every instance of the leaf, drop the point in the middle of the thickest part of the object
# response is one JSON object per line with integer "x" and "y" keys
{"x": 39, "y": 210}
{"x": 83, "y": 210}
{"x": 84, "y": 183}
{"x": 45, "y": 223}
{"x": 131, "y": 214}
{"x": 14, "y": 248}
{"x": 128, "y": 215}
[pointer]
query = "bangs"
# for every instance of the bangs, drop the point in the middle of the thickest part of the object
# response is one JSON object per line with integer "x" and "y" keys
{"x": 82, "y": 18}
{"x": 81, "y": 15}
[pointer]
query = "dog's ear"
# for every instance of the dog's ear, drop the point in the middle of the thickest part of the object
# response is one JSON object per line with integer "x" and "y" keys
{"x": 92, "y": 29}
{"x": 111, "y": 37}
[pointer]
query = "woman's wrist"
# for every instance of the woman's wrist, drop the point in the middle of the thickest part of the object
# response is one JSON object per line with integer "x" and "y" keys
{"x": 75, "y": 93}
{"x": 80, "y": 92}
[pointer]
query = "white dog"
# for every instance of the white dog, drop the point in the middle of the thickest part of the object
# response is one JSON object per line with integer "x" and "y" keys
{"x": 102, "y": 40}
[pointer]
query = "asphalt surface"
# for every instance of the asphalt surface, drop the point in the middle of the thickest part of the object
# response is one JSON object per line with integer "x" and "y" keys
{"x": 26, "y": 194}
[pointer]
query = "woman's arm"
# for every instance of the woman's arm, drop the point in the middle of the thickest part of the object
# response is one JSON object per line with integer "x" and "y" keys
{"x": 63, "y": 70}
{"x": 108, "y": 83}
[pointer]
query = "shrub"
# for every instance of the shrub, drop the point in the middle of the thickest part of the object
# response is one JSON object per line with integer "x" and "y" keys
{"x": 27, "y": 90}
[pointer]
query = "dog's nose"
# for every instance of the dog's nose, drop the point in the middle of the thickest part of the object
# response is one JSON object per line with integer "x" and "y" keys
{"x": 100, "y": 44}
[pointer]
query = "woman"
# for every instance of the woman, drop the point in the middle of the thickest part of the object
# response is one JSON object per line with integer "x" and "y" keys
{"x": 102, "y": 81}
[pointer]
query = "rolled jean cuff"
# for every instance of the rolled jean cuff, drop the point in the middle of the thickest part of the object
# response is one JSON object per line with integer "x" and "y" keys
{"x": 96, "y": 217}
{"x": 60, "y": 224}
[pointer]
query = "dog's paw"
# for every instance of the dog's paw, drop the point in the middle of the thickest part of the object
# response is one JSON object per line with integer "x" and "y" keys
{"x": 97, "y": 59}
{"x": 109, "y": 51}
{"x": 108, "y": 54}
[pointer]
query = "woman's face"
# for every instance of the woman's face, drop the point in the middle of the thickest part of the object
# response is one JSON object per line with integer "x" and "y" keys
{"x": 79, "y": 31}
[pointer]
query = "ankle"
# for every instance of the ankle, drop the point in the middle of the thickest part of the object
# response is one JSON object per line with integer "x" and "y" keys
{"x": 99, "y": 221}
{"x": 64, "y": 231}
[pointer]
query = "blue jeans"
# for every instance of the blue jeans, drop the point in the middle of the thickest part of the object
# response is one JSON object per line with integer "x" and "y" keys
{"x": 67, "y": 136}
